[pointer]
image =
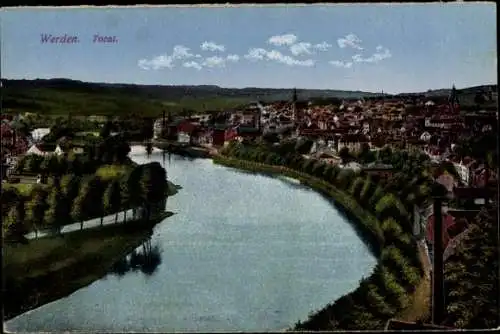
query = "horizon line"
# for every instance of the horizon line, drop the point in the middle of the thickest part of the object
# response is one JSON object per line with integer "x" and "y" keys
{"x": 250, "y": 87}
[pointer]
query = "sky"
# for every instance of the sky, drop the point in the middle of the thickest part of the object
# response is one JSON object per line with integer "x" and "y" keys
{"x": 374, "y": 47}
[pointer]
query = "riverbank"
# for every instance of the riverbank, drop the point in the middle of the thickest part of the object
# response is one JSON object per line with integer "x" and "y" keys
{"x": 412, "y": 304}
{"x": 47, "y": 269}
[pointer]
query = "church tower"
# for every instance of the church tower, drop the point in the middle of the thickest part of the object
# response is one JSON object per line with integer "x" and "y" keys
{"x": 294, "y": 105}
{"x": 453, "y": 99}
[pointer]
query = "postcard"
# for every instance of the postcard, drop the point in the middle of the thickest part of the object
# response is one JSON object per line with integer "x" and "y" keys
{"x": 245, "y": 168}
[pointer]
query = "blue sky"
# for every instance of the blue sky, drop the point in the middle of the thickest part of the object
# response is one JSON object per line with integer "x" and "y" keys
{"x": 394, "y": 48}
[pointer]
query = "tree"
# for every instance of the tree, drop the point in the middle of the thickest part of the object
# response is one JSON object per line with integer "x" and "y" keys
{"x": 9, "y": 197}
{"x": 70, "y": 184}
{"x": 9, "y": 222}
{"x": 58, "y": 212}
{"x": 153, "y": 185}
{"x": 357, "y": 187}
{"x": 479, "y": 98}
{"x": 112, "y": 199}
{"x": 131, "y": 195}
{"x": 77, "y": 209}
{"x": 14, "y": 224}
{"x": 304, "y": 146}
{"x": 106, "y": 129}
{"x": 35, "y": 211}
{"x": 147, "y": 184}
{"x": 344, "y": 154}
{"x": 74, "y": 165}
{"x": 366, "y": 155}
{"x": 83, "y": 204}
{"x": 33, "y": 163}
{"x": 318, "y": 169}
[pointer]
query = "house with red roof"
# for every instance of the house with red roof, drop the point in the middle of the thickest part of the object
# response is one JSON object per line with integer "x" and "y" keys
{"x": 448, "y": 222}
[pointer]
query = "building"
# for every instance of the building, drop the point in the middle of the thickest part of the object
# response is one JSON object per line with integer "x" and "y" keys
{"x": 39, "y": 133}
{"x": 218, "y": 135}
{"x": 42, "y": 149}
{"x": 185, "y": 130}
{"x": 448, "y": 222}
{"x": 247, "y": 133}
{"x": 464, "y": 170}
{"x": 353, "y": 142}
{"x": 383, "y": 171}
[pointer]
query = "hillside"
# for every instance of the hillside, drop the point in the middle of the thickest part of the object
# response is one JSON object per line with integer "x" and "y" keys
{"x": 61, "y": 96}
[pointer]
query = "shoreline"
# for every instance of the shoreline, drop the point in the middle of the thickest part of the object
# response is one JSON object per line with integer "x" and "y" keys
{"x": 31, "y": 292}
{"x": 410, "y": 311}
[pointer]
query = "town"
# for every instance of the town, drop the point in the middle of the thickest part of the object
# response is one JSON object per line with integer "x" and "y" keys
{"x": 332, "y": 168}
{"x": 365, "y": 136}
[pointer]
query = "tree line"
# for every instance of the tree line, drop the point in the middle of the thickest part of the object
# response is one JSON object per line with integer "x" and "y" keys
{"x": 399, "y": 270}
{"x": 72, "y": 198}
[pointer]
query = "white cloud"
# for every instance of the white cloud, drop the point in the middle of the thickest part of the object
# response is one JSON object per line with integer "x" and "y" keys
{"x": 358, "y": 58}
{"x": 256, "y": 54}
{"x": 192, "y": 64}
{"x": 339, "y": 63}
{"x": 287, "y": 60}
{"x": 301, "y": 48}
{"x": 350, "y": 40}
{"x": 233, "y": 58}
{"x": 181, "y": 52}
{"x": 197, "y": 56}
{"x": 323, "y": 46}
{"x": 214, "y": 61}
{"x": 380, "y": 54}
{"x": 211, "y": 46}
{"x": 278, "y": 40}
{"x": 159, "y": 62}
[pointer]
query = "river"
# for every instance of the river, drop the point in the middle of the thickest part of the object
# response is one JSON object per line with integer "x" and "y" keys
{"x": 243, "y": 252}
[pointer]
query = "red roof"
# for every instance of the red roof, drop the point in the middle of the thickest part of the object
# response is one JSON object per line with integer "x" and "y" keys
{"x": 186, "y": 126}
{"x": 6, "y": 129}
{"x": 448, "y": 221}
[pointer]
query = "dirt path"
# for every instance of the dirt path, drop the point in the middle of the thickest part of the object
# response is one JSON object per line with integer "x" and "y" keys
{"x": 421, "y": 299}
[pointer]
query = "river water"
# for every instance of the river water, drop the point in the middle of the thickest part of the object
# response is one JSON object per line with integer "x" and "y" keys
{"x": 243, "y": 252}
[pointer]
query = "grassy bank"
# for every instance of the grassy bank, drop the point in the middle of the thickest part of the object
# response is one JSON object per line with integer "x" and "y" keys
{"x": 47, "y": 269}
{"x": 386, "y": 293}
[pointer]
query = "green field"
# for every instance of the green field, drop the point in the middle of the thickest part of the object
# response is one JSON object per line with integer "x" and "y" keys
{"x": 58, "y": 101}
{"x": 108, "y": 172}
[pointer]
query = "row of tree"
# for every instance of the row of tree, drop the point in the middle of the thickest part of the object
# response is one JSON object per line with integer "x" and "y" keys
{"x": 72, "y": 198}
{"x": 399, "y": 269}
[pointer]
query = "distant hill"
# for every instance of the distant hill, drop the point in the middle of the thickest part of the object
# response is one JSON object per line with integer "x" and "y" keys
{"x": 60, "y": 96}
{"x": 167, "y": 92}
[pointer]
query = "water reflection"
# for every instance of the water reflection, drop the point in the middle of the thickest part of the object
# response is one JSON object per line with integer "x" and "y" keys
{"x": 145, "y": 258}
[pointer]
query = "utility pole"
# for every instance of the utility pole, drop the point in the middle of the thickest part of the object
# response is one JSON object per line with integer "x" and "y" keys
{"x": 438, "y": 302}
{"x": 294, "y": 105}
